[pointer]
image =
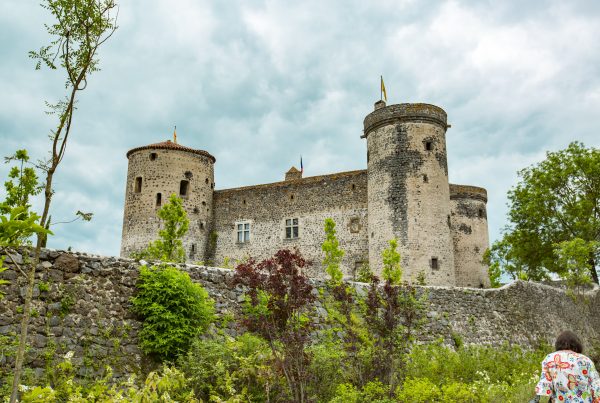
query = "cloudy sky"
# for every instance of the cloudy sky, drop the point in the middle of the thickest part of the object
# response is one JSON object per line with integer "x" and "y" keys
{"x": 257, "y": 83}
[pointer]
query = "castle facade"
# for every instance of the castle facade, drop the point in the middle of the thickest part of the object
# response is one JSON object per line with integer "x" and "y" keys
{"x": 404, "y": 193}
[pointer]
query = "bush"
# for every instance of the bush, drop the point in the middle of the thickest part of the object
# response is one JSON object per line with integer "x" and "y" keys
{"x": 223, "y": 368}
{"x": 166, "y": 385}
{"x": 173, "y": 308}
{"x": 419, "y": 390}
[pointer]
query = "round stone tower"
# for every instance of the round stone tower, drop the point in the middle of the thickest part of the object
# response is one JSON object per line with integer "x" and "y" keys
{"x": 408, "y": 190}
{"x": 155, "y": 172}
{"x": 470, "y": 235}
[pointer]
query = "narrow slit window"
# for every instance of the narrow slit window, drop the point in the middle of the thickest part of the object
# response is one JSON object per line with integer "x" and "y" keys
{"x": 428, "y": 145}
{"x": 158, "y": 199}
{"x": 184, "y": 187}
{"x": 291, "y": 228}
{"x": 138, "y": 184}
{"x": 480, "y": 212}
{"x": 425, "y": 178}
{"x": 435, "y": 265}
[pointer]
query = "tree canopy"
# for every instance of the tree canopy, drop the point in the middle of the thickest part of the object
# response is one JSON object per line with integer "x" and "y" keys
{"x": 555, "y": 201}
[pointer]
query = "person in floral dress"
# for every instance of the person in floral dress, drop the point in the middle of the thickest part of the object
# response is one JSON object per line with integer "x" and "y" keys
{"x": 567, "y": 375}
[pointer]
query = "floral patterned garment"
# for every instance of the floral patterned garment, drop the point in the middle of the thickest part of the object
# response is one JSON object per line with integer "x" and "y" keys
{"x": 570, "y": 378}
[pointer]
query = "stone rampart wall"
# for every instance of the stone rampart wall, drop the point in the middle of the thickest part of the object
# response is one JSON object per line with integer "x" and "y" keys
{"x": 82, "y": 305}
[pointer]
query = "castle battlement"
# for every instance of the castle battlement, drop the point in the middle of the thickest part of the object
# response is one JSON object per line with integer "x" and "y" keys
{"x": 385, "y": 115}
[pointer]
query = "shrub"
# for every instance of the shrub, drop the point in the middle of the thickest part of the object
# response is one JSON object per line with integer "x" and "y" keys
{"x": 419, "y": 390}
{"x": 328, "y": 369}
{"x": 173, "y": 308}
{"x": 223, "y": 368}
{"x": 166, "y": 385}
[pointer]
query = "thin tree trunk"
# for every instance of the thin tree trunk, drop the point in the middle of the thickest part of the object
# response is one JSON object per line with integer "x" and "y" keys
{"x": 592, "y": 263}
{"x": 20, "y": 357}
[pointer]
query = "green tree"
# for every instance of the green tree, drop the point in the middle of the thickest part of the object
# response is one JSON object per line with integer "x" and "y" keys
{"x": 554, "y": 201}
{"x": 494, "y": 268}
{"x": 81, "y": 27}
{"x": 333, "y": 253}
{"x": 573, "y": 256}
{"x": 392, "y": 271}
{"x": 169, "y": 248}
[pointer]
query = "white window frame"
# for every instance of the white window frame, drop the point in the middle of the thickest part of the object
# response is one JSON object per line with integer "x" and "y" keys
{"x": 242, "y": 231}
{"x": 292, "y": 223}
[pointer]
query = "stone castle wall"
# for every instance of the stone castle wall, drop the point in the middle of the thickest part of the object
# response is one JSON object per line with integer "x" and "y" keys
{"x": 342, "y": 197}
{"x": 85, "y": 309}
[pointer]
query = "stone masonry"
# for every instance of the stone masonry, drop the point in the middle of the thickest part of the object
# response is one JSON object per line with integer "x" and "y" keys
{"x": 82, "y": 304}
{"x": 404, "y": 193}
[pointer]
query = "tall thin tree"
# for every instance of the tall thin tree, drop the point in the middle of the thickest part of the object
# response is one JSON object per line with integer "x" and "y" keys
{"x": 81, "y": 27}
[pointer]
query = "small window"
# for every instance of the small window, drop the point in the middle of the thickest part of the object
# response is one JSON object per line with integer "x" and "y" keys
{"x": 353, "y": 186}
{"x": 243, "y": 232}
{"x": 158, "y": 200}
{"x": 244, "y": 202}
{"x": 153, "y": 156}
{"x": 138, "y": 184}
{"x": 435, "y": 265}
{"x": 193, "y": 250}
{"x": 204, "y": 203}
{"x": 291, "y": 197}
{"x": 425, "y": 178}
{"x": 184, "y": 188}
{"x": 291, "y": 228}
{"x": 480, "y": 213}
{"x": 206, "y": 181}
{"x": 428, "y": 145}
{"x": 201, "y": 225}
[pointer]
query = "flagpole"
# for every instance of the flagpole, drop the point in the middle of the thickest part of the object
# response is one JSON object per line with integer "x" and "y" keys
{"x": 380, "y": 88}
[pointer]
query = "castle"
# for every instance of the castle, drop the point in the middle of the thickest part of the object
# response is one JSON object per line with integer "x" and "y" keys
{"x": 404, "y": 193}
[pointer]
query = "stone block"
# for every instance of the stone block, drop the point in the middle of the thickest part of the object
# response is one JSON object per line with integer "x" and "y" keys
{"x": 67, "y": 262}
